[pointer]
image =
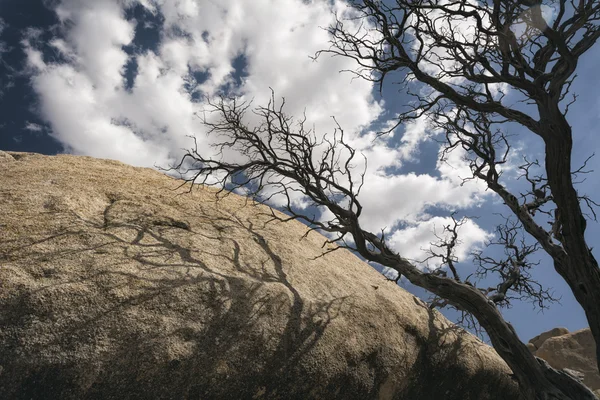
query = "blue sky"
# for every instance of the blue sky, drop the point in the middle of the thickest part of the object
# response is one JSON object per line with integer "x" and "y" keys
{"x": 122, "y": 80}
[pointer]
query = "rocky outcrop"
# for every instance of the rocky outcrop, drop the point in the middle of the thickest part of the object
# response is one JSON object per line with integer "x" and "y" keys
{"x": 573, "y": 352}
{"x": 114, "y": 285}
{"x": 537, "y": 341}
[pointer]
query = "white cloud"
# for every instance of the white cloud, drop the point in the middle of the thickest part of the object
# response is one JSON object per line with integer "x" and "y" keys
{"x": 91, "y": 110}
{"x": 3, "y": 45}
{"x": 389, "y": 200}
{"x": 33, "y": 127}
{"x": 416, "y": 240}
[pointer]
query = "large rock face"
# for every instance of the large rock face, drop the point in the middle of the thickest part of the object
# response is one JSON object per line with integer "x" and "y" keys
{"x": 573, "y": 351}
{"x": 114, "y": 286}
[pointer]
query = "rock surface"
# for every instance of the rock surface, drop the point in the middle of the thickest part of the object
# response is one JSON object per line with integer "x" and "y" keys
{"x": 113, "y": 285}
{"x": 537, "y": 341}
{"x": 5, "y": 157}
{"x": 574, "y": 352}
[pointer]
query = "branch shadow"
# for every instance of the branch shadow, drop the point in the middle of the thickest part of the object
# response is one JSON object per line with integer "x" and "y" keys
{"x": 220, "y": 346}
{"x": 133, "y": 304}
{"x": 435, "y": 363}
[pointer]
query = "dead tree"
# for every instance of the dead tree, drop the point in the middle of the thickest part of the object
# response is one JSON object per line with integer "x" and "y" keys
{"x": 281, "y": 157}
{"x": 467, "y": 54}
{"x": 457, "y": 59}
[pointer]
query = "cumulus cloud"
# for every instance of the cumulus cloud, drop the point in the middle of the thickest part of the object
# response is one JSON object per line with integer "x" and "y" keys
{"x": 416, "y": 241}
{"x": 97, "y": 105}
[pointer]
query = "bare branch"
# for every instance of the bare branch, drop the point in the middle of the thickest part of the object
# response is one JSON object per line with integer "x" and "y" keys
{"x": 279, "y": 157}
{"x": 456, "y": 60}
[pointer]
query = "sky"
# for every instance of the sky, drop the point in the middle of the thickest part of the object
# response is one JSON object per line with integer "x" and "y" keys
{"x": 123, "y": 79}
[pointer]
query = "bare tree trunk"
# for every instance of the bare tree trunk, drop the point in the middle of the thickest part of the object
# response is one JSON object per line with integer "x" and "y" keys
{"x": 537, "y": 379}
{"x": 577, "y": 266}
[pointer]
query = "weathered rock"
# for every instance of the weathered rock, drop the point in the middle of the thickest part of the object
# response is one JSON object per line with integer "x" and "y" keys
{"x": 5, "y": 157}
{"x": 537, "y": 341}
{"x": 115, "y": 286}
{"x": 574, "y": 352}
